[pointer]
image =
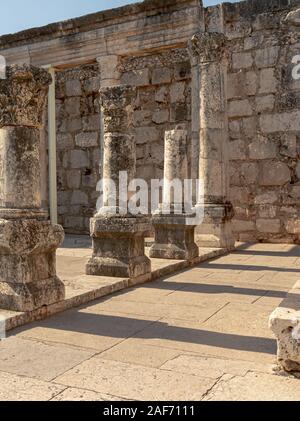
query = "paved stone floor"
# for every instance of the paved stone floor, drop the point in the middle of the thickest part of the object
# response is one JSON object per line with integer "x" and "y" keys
{"x": 201, "y": 334}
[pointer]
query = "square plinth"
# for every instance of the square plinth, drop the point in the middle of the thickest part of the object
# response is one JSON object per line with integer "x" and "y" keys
{"x": 119, "y": 247}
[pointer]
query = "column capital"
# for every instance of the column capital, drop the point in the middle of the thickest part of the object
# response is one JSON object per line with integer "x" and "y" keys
{"x": 22, "y": 96}
{"x": 205, "y": 47}
{"x": 117, "y": 106}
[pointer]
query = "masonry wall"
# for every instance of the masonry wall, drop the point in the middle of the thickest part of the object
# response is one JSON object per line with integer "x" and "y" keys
{"x": 264, "y": 121}
{"x": 78, "y": 146}
{"x": 264, "y": 125}
{"x": 164, "y": 98}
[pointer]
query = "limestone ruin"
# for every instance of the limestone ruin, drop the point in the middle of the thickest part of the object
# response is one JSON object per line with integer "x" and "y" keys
{"x": 127, "y": 84}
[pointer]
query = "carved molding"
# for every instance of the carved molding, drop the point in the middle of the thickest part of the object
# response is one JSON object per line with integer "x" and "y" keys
{"x": 207, "y": 47}
{"x": 23, "y": 95}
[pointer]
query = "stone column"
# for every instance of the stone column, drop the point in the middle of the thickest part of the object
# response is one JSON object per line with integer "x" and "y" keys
{"x": 109, "y": 76}
{"x": 174, "y": 227}
{"x": 209, "y": 63}
{"x": 28, "y": 241}
{"x": 118, "y": 237}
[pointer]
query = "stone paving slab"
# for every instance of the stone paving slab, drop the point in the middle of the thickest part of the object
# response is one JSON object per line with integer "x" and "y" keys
{"x": 126, "y": 380}
{"x": 81, "y": 289}
{"x": 18, "y": 388}
{"x": 255, "y": 387}
{"x": 38, "y": 360}
{"x": 136, "y": 344}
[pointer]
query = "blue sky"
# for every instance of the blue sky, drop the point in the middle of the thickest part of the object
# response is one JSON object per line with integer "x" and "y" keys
{"x": 17, "y": 15}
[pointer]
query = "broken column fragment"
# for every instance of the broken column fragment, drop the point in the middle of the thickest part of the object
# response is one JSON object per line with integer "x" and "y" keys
{"x": 209, "y": 63}
{"x": 174, "y": 226}
{"x": 118, "y": 236}
{"x": 28, "y": 241}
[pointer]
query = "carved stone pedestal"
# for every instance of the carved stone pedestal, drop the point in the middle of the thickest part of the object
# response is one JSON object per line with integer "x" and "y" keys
{"x": 119, "y": 247}
{"x": 174, "y": 238}
{"x": 27, "y": 264}
{"x": 216, "y": 229}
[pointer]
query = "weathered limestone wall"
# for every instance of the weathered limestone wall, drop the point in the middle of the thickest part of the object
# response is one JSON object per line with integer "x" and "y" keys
{"x": 264, "y": 104}
{"x": 164, "y": 96}
{"x": 264, "y": 112}
{"x": 78, "y": 146}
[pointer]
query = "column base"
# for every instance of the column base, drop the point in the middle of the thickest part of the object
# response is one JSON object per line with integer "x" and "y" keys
{"x": 216, "y": 228}
{"x": 174, "y": 238}
{"x": 28, "y": 278}
{"x": 119, "y": 247}
{"x": 31, "y": 296}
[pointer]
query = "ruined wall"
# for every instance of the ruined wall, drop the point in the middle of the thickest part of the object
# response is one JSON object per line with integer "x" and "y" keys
{"x": 164, "y": 96}
{"x": 264, "y": 116}
{"x": 78, "y": 146}
{"x": 264, "y": 112}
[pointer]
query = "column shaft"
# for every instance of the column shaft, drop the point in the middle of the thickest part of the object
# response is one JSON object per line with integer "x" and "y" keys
{"x": 28, "y": 241}
{"x": 209, "y": 63}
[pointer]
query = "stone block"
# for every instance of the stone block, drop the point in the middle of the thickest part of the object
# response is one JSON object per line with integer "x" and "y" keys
{"x": 161, "y": 95}
{"x": 267, "y": 57}
{"x": 79, "y": 198}
{"x": 64, "y": 141}
{"x": 288, "y": 145}
{"x": 243, "y": 226}
{"x": 92, "y": 123}
{"x": 87, "y": 139}
{"x": 73, "y": 124}
{"x": 161, "y": 75}
{"x": 73, "y": 88}
{"x": 146, "y": 135}
{"x": 177, "y": 92}
{"x": 142, "y": 118}
{"x": 267, "y": 211}
{"x": 237, "y": 150}
{"x": 182, "y": 71}
{"x": 266, "y": 198}
{"x": 293, "y": 226}
{"x": 249, "y": 172}
{"x": 174, "y": 238}
{"x": 79, "y": 159}
{"x": 262, "y": 148}
{"x": 283, "y": 122}
{"x": 242, "y": 84}
{"x": 242, "y": 60}
{"x": 63, "y": 197}
{"x": 267, "y": 81}
{"x": 160, "y": 116}
{"x": 74, "y": 222}
{"x": 92, "y": 85}
{"x": 136, "y": 78}
{"x": 118, "y": 247}
{"x": 284, "y": 323}
{"x": 179, "y": 112}
{"x": 27, "y": 265}
{"x": 72, "y": 106}
{"x": 73, "y": 179}
{"x": 240, "y": 108}
{"x": 249, "y": 127}
{"x": 275, "y": 174}
{"x": 264, "y": 103}
{"x": 268, "y": 226}
{"x": 239, "y": 195}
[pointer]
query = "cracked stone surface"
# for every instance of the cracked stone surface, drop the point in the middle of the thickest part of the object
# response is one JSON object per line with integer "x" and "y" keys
{"x": 201, "y": 334}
